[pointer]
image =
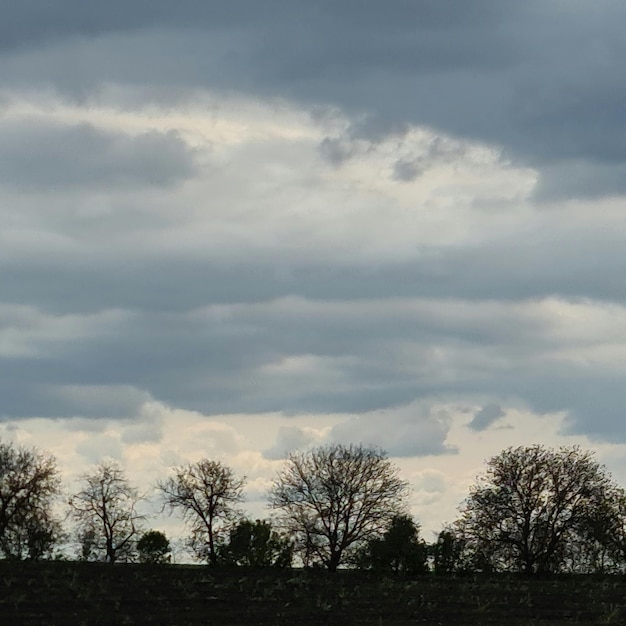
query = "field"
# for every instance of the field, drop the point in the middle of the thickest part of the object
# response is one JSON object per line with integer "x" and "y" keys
{"x": 90, "y": 593}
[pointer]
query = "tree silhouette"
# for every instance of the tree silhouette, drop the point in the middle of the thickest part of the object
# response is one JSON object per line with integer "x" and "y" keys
{"x": 106, "y": 512}
{"x": 334, "y": 498}
{"x": 532, "y": 506}
{"x": 29, "y": 483}
{"x": 400, "y": 550}
{"x": 256, "y": 544}
{"x": 448, "y": 553}
{"x": 154, "y": 547}
{"x": 206, "y": 493}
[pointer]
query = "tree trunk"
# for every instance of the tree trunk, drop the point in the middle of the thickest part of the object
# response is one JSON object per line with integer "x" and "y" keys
{"x": 335, "y": 559}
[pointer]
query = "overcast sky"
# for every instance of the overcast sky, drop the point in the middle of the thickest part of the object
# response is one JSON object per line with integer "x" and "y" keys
{"x": 232, "y": 229}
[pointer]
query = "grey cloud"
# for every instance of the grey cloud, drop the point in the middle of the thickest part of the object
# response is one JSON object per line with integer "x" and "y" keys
{"x": 408, "y": 431}
{"x": 581, "y": 180}
{"x": 349, "y": 357}
{"x": 96, "y": 449}
{"x": 348, "y": 317}
{"x": 430, "y": 482}
{"x": 142, "y": 433}
{"x": 439, "y": 151}
{"x": 534, "y": 264}
{"x": 335, "y": 151}
{"x": 85, "y": 424}
{"x": 37, "y": 156}
{"x": 32, "y": 22}
{"x": 539, "y": 79}
{"x": 213, "y": 363}
{"x": 288, "y": 439}
{"x": 593, "y": 401}
{"x": 407, "y": 171}
{"x": 114, "y": 401}
{"x": 487, "y": 416}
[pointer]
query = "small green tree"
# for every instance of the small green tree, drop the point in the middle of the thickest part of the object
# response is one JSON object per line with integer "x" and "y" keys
{"x": 154, "y": 547}
{"x": 256, "y": 544}
{"x": 400, "y": 550}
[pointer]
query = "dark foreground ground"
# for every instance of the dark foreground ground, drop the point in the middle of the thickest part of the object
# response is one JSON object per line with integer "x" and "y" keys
{"x": 91, "y": 593}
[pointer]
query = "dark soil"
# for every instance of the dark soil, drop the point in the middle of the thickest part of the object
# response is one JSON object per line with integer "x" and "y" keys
{"x": 90, "y": 593}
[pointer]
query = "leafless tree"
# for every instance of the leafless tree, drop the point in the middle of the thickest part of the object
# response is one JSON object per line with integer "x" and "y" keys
{"x": 106, "y": 512}
{"x": 29, "y": 483}
{"x": 532, "y": 506}
{"x": 334, "y": 498}
{"x": 207, "y": 494}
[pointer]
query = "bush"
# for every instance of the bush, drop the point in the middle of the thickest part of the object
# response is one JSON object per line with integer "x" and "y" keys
{"x": 154, "y": 547}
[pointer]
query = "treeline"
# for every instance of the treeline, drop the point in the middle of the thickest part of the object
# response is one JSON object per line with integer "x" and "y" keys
{"x": 534, "y": 510}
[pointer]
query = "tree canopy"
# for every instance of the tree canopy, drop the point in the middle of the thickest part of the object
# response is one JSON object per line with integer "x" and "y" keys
{"x": 256, "y": 544}
{"x": 154, "y": 547}
{"x": 29, "y": 483}
{"x": 334, "y": 498}
{"x": 534, "y": 508}
{"x": 399, "y": 550}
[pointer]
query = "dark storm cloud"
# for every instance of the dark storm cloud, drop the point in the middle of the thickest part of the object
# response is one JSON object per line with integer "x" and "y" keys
{"x": 38, "y": 156}
{"x": 541, "y": 79}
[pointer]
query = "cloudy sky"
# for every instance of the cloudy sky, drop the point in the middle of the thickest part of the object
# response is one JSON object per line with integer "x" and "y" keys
{"x": 232, "y": 229}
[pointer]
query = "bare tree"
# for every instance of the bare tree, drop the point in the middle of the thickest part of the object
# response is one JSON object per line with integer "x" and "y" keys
{"x": 29, "y": 483}
{"x": 207, "y": 494}
{"x": 106, "y": 512}
{"x": 334, "y": 498}
{"x": 532, "y": 506}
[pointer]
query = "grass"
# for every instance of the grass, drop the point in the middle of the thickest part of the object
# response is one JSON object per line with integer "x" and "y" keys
{"x": 92, "y": 593}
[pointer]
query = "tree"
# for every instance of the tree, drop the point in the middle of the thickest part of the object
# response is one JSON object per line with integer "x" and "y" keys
{"x": 106, "y": 512}
{"x": 606, "y": 550}
{"x": 154, "y": 547}
{"x": 257, "y": 544}
{"x": 448, "y": 552}
{"x": 531, "y": 507}
{"x": 332, "y": 499}
{"x": 206, "y": 493}
{"x": 399, "y": 551}
{"x": 29, "y": 483}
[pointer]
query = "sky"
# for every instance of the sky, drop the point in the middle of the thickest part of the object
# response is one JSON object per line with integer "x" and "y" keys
{"x": 238, "y": 229}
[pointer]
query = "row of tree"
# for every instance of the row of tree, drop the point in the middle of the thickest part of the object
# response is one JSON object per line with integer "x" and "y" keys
{"x": 534, "y": 510}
